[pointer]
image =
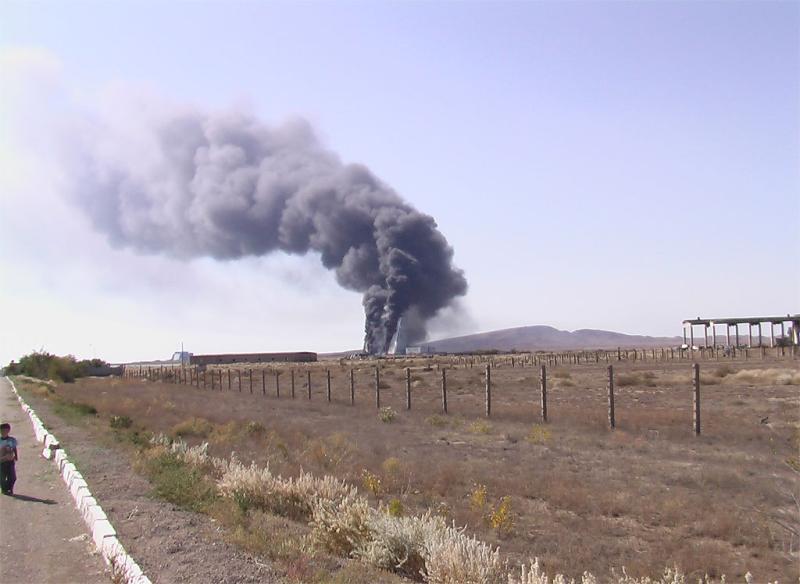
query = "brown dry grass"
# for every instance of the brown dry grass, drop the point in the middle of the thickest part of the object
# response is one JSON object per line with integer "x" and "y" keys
{"x": 646, "y": 495}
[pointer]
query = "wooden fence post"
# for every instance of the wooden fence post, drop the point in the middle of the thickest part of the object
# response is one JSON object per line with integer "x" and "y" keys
{"x": 611, "y": 417}
{"x": 696, "y": 380}
{"x": 251, "y": 380}
{"x": 444, "y": 390}
{"x": 377, "y": 388}
{"x": 543, "y": 388}
{"x": 292, "y": 382}
{"x": 309, "y": 383}
{"x": 229, "y": 379}
{"x": 204, "y": 378}
{"x": 263, "y": 382}
{"x": 277, "y": 383}
{"x": 408, "y": 388}
{"x": 328, "y": 388}
{"x": 488, "y": 391}
{"x": 352, "y": 387}
{"x": 239, "y": 379}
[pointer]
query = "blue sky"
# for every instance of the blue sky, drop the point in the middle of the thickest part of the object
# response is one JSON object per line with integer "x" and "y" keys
{"x": 616, "y": 165}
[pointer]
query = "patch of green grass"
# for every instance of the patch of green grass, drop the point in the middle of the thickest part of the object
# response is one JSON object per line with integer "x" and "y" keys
{"x": 177, "y": 482}
{"x": 73, "y": 412}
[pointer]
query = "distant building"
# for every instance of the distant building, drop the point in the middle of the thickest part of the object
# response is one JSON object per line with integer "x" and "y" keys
{"x": 227, "y": 359}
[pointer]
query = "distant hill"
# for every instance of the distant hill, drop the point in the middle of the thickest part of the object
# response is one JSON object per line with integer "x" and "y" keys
{"x": 536, "y": 338}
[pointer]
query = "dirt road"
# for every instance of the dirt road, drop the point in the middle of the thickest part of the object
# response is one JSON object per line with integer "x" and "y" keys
{"x": 42, "y": 537}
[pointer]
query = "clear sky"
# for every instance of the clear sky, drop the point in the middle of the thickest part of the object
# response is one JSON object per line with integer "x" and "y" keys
{"x": 613, "y": 165}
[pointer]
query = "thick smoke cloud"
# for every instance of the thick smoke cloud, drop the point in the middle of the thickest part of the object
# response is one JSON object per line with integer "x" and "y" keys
{"x": 224, "y": 185}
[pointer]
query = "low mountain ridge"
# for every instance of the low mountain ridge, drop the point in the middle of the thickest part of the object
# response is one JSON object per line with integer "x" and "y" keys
{"x": 542, "y": 338}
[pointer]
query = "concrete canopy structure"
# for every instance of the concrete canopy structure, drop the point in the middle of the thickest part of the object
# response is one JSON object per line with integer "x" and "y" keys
{"x": 792, "y": 319}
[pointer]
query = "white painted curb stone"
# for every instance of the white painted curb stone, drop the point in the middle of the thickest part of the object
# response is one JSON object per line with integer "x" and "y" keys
{"x": 103, "y": 533}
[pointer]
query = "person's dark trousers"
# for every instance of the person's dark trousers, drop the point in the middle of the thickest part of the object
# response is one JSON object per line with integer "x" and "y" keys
{"x": 8, "y": 476}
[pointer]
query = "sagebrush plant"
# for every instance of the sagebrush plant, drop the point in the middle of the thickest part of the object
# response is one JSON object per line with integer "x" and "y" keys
{"x": 395, "y": 508}
{"x": 253, "y": 487}
{"x": 340, "y": 526}
{"x": 398, "y": 544}
{"x": 478, "y": 497}
{"x": 371, "y": 482}
{"x": 387, "y": 414}
{"x": 539, "y": 434}
{"x": 480, "y": 427}
{"x": 502, "y": 518}
{"x": 451, "y": 557}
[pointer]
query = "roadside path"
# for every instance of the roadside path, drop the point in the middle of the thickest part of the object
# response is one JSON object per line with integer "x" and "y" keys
{"x": 42, "y": 536}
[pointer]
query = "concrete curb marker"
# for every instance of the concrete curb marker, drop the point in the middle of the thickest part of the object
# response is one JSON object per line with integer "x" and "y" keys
{"x": 103, "y": 533}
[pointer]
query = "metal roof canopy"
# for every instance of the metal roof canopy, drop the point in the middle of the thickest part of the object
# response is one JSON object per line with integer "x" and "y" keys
{"x": 747, "y": 320}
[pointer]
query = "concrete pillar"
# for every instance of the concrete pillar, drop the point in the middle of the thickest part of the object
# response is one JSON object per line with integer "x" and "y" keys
{"x": 705, "y": 332}
{"x": 759, "y": 334}
{"x": 691, "y": 336}
{"x": 685, "y": 342}
{"x": 772, "y": 334}
{"x": 714, "y": 335}
{"x": 728, "y": 335}
{"x": 736, "y": 326}
{"x": 783, "y": 331}
{"x": 750, "y": 334}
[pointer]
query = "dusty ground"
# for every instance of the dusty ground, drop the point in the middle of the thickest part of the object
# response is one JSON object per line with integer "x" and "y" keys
{"x": 646, "y": 495}
{"x": 43, "y": 538}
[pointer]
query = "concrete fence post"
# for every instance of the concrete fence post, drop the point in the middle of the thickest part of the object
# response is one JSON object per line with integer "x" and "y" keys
{"x": 612, "y": 422}
{"x": 444, "y": 390}
{"x": 543, "y": 389}
{"x": 408, "y": 388}
{"x": 328, "y": 386}
{"x": 488, "y": 398}
{"x": 377, "y": 388}
{"x": 696, "y": 409}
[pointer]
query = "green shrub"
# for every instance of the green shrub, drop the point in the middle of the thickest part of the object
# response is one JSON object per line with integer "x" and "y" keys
{"x": 73, "y": 412}
{"x": 44, "y": 365}
{"x": 395, "y": 508}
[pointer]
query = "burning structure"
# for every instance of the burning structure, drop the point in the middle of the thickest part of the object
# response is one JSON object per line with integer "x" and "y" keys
{"x": 188, "y": 183}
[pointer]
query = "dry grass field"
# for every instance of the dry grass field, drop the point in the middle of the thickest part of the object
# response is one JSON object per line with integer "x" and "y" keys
{"x": 572, "y": 492}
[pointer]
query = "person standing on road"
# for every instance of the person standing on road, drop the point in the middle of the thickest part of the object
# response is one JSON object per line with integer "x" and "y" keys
{"x": 8, "y": 456}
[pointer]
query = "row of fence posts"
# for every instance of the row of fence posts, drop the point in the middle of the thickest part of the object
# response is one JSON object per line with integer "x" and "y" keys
{"x": 192, "y": 376}
{"x": 619, "y": 355}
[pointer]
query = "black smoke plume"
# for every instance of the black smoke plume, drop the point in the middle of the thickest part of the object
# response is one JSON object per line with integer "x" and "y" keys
{"x": 225, "y": 185}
